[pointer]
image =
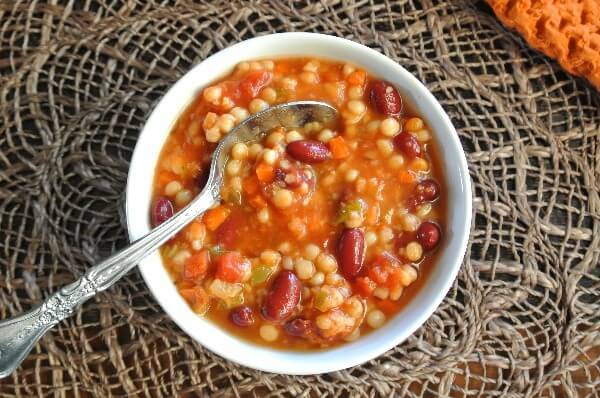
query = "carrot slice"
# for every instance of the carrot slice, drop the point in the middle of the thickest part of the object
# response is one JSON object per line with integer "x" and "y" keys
{"x": 265, "y": 172}
{"x": 339, "y": 148}
{"x": 215, "y": 217}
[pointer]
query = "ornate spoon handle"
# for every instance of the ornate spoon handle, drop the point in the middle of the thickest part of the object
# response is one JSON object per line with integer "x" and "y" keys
{"x": 18, "y": 335}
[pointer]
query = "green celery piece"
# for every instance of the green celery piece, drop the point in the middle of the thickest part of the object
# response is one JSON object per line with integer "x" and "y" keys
{"x": 260, "y": 275}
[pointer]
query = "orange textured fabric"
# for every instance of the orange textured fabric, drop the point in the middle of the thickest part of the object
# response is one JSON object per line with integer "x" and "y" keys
{"x": 567, "y": 30}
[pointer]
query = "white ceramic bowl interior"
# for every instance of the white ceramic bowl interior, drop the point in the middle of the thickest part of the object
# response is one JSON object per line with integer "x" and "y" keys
{"x": 156, "y": 130}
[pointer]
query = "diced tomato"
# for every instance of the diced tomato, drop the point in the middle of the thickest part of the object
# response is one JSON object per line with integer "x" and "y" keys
{"x": 381, "y": 267}
{"x": 196, "y": 266}
{"x": 231, "y": 267}
{"x": 232, "y": 90}
{"x": 254, "y": 82}
{"x": 365, "y": 286}
{"x": 379, "y": 274}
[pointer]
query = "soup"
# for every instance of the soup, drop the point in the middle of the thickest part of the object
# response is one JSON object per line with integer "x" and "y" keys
{"x": 323, "y": 233}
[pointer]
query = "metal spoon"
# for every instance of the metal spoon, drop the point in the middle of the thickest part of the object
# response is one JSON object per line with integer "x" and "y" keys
{"x": 18, "y": 335}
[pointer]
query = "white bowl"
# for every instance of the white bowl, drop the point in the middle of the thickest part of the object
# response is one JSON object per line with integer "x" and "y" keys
{"x": 139, "y": 188}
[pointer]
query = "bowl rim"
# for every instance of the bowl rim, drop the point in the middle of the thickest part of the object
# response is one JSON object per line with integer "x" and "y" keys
{"x": 310, "y": 362}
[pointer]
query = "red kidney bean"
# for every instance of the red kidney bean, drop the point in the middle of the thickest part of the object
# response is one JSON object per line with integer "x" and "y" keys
{"x": 308, "y": 151}
{"x": 283, "y": 297}
{"x": 298, "y": 327}
{"x": 428, "y": 235}
{"x": 385, "y": 98}
{"x": 428, "y": 190}
{"x": 242, "y": 316}
{"x": 161, "y": 211}
{"x": 408, "y": 144}
{"x": 351, "y": 251}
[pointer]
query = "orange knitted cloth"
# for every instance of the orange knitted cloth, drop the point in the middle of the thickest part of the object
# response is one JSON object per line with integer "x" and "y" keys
{"x": 567, "y": 30}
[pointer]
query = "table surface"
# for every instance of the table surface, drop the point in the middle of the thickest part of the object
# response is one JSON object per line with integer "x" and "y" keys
{"x": 77, "y": 82}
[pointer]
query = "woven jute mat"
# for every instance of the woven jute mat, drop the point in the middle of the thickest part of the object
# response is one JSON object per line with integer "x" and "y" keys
{"x": 77, "y": 82}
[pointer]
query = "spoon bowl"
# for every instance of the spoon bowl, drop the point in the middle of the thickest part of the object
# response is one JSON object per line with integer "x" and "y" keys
{"x": 289, "y": 115}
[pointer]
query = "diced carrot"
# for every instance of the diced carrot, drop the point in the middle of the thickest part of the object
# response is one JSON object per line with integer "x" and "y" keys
{"x": 257, "y": 201}
{"x": 357, "y": 78}
{"x": 406, "y": 177}
{"x": 265, "y": 172}
{"x": 365, "y": 286}
{"x": 250, "y": 185}
{"x": 339, "y": 148}
{"x": 196, "y": 266}
{"x": 231, "y": 267}
{"x": 215, "y": 217}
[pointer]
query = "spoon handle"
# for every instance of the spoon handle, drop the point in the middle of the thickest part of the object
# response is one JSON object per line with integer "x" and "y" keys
{"x": 19, "y": 334}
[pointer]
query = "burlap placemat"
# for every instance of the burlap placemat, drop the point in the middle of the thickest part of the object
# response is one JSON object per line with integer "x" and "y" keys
{"x": 77, "y": 82}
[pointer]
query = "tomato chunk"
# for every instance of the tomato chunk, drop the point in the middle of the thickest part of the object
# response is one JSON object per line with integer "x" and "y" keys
{"x": 232, "y": 267}
{"x": 254, "y": 82}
